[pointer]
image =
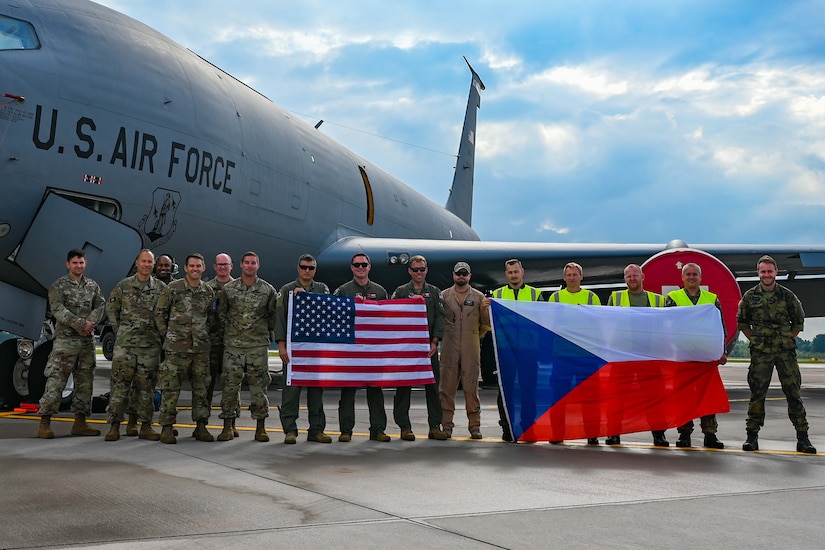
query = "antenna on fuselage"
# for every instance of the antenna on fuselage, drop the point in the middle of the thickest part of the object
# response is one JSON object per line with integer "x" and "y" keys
{"x": 460, "y": 201}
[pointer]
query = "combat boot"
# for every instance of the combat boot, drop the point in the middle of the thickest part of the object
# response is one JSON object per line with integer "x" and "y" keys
{"x": 167, "y": 435}
{"x": 114, "y": 432}
{"x": 146, "y": 432}
{"x": 131, "y": 426}
{"x": 712, "y": 442}
{"x": 227, "y": 433}
{"x": 81, "y": 428}
{"x": 45, "y": 430}
{"x": 752, "y": 441}
{"x": 234, "y": 429}
{"x": 684, "y": 440}
{"x": 201, "y": 433}
{"x": 260, "y": 431}
{"x": 803, "y": 444}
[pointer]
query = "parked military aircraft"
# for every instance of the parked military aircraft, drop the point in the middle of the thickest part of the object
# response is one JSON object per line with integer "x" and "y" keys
{"x": 113, "y": 138}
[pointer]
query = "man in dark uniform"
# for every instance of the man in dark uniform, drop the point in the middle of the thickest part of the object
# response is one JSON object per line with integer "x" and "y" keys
{"x": 291, "y": 395}
{"x": 418, "y": 286}
{"x": 771, "y": 317}
{"x": 360, "y": 285}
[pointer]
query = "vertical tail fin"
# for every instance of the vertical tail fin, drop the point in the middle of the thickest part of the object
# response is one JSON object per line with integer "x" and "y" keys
{"x": 460, "y": 201}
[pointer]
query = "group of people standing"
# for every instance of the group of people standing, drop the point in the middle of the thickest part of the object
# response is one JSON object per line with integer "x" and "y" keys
{"x": 168, "y": 331}
{"x": 769, "y": 315}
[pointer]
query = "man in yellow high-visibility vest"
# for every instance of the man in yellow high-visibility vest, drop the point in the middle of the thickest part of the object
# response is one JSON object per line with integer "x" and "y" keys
{"x": 635, "y": 296}
{"x": 573, "y": 293}
{"x": 691, "y": 295}
{"x": 516, "y": 289}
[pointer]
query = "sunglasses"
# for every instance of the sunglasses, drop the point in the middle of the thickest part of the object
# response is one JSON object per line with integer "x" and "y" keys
{"x": 418, "y": 269}
{"x": 461, "y": 273}
{"x": 307, "y": 267}
{"x": 360, "y": 264}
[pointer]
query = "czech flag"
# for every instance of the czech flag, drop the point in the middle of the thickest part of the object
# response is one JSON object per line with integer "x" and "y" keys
{"x": 573, "y": 372}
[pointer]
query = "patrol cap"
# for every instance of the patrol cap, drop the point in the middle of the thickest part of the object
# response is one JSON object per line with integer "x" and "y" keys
{"x": 462, "y": 265}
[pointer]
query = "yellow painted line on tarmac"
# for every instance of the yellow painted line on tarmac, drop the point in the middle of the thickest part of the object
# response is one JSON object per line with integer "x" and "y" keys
{"x": 25, "y": 416}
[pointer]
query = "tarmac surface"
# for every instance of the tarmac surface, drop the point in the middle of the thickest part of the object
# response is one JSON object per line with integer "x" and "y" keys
{"x": 462, "y": 493}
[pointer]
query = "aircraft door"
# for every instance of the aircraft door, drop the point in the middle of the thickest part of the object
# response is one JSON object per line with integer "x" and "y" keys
{"x": 59, "y": 226}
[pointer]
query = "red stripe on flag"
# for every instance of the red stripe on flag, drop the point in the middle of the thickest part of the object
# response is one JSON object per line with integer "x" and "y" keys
{"x": 633, "y": 397}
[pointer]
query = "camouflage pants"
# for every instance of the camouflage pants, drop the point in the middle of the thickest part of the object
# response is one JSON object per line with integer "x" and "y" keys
{"x": 708, "y": 424}
{"x": 134, "y": 375}
{"x": 176, "y": 367}
{"x": 256, "y": 363}
{"x": 69, "y": 356}
{"x": 759, "y": 378}
{"x": 216, "y": 370}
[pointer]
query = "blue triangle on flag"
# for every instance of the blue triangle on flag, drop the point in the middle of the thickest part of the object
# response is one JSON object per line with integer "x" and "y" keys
{"x": 536, "y": 366}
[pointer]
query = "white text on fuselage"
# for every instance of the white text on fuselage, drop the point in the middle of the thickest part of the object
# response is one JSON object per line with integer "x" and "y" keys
{"x": 137, "y": 151}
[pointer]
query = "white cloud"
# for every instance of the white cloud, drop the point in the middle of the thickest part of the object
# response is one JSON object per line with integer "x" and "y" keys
{"x": 808, "y": 109}
{"x": 549, "y": 226}
{"x": 589, "y": 79}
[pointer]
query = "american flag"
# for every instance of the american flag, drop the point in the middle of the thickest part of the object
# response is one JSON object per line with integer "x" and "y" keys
{"x": 336, "y": 341}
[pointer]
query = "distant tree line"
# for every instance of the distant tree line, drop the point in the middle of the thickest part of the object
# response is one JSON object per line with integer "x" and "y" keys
{"x": 806, "y": 349}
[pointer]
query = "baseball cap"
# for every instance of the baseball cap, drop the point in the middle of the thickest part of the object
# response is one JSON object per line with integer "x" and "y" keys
{"x": 462, "y": 265}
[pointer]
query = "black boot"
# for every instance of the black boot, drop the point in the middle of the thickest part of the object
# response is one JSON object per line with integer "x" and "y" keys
{"x": 684, "y": 439}
{"x": 752, "y": 441}
{"x": 659, "y": 439}
{"x": 712, "y": 442}
{"x": 803, "y": 444}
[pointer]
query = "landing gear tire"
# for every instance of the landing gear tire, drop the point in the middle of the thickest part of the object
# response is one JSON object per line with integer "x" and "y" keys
{"x": 107, "y": 343}
{"x": 9, "y": 398}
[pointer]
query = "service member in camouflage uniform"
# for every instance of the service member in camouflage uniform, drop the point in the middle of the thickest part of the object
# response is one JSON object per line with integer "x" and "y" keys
{"x": 223, "y": 274}
{"x": 771, "y": 317}
{"x": 360, "y": 285}
{"x": 246, "y": 309}
{"x": 182, "y": 315}
{"x": 431, "y": 294}
{"x": 131, "y": 312}
{"x": 291, "y": 395}
{"x": 164, "y": 272}
{"x": 77, "y": 305}
{"x": 165, "y": 268}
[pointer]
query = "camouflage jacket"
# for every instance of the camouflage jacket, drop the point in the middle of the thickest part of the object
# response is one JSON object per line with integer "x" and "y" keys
{"x": 772, "y": 318}
{"x": 247, "y": 313}
{"x": 182, "y": 316}
{"x": 73, "y": 303}
{"x": 131, "y": 312}
{"x": 435, "y": 305}
{"x": 215, "y": 327}
{"x": 281, "y": 311}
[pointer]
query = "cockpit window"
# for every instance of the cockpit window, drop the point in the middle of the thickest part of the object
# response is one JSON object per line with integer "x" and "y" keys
{"x": 17, "y": 35}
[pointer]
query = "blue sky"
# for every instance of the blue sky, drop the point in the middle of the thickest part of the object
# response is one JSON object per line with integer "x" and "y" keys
{"x": 603, "y": 121}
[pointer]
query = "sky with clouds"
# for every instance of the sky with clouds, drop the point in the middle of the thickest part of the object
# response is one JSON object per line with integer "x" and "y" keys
{"x": 602, "y": 121}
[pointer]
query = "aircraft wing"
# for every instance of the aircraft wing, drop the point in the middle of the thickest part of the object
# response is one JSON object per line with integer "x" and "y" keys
{"x": 802, "y": 267}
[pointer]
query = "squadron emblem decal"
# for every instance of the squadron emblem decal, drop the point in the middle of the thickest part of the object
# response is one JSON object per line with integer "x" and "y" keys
{"x": 158, "y": 226}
